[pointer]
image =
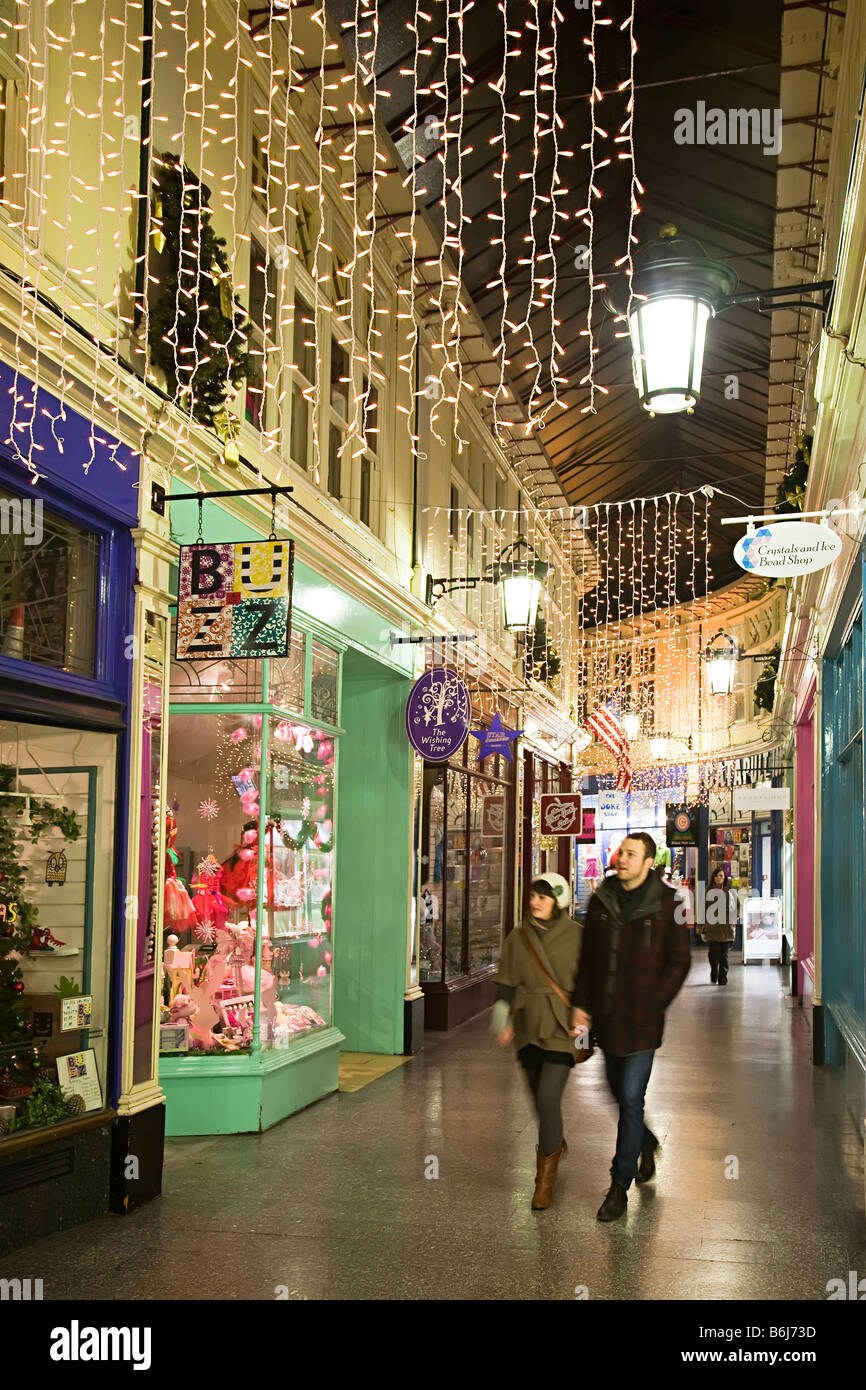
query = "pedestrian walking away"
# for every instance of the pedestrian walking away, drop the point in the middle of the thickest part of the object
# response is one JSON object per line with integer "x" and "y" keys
{"x": 719, "y": 925}
{"x": 534, "y": 984}
{"x": 634, "y": 958}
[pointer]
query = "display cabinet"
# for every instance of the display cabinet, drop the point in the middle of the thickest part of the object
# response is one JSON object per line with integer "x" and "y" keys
{"x": 246, "y": 982}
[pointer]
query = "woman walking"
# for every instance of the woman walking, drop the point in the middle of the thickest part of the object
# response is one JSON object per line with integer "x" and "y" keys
{"x": 719, "y": 925}
{"x": 535, "y": 980}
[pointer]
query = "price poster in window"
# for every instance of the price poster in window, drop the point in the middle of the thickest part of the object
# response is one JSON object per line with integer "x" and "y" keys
{"x": 235, "y": 600}
{"x": 76, "y": 1012}
{"x": 77, "y": 1076}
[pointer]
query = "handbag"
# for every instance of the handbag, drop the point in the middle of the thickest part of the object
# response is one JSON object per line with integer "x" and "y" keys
{"x": 583, "y": 1053}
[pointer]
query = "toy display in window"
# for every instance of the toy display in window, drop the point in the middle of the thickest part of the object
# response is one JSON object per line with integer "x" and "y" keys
{"x": 209, "y": 987}
{"x": 180, "y": 914}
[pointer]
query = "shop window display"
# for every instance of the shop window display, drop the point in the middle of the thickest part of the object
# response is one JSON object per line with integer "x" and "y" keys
{"x": 462, "y": 901}
{"x": 56, "y": 841}
{"x": 249, "y": 871}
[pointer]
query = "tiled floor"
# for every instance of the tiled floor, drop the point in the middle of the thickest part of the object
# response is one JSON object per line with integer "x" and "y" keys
{"x": 341, "y": 1201}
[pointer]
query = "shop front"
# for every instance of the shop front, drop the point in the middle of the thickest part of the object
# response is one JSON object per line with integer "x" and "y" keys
{"x": 466, "y": 877}
{"x": 541, "y": 853}
{"x": 619, "y": 813}
{"x": 68, "y": 683}
{"x": 840, "y": 978}
{"x": 287, "y": 864}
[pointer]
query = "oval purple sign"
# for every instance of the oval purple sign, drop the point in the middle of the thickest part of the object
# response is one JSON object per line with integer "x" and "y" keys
{"x": 437, "y": 715}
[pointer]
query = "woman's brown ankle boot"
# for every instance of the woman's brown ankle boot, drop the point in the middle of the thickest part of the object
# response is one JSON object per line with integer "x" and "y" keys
{"x": 545, "y": 1179}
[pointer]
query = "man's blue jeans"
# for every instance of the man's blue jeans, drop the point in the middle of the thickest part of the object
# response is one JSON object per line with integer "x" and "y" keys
{"x": 628, "y": 1078}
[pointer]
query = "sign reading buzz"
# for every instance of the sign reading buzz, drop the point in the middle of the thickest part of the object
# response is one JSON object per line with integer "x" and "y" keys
{"x": 234, "y": 599}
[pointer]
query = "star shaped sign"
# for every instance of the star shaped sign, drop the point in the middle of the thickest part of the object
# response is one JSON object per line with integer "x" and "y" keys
{"x": 495, "y": 739}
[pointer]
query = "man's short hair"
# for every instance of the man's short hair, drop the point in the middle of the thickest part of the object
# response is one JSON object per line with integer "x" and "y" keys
{"x": 649, "y": 844}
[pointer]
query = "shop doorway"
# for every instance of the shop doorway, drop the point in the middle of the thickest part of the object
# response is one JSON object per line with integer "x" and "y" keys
{"x": 372, "y": 894}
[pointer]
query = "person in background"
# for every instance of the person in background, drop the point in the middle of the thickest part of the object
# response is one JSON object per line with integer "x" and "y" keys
{"x": 536, "y": 976}
{"x": 719, "y": 925}
{"x": 634, "y": 958}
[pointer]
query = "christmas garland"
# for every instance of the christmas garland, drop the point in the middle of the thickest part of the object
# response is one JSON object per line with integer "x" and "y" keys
{"x": 197, "y": 332}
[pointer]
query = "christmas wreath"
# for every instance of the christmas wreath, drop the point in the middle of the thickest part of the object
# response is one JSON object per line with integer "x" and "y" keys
{"x": 197, "y": 332}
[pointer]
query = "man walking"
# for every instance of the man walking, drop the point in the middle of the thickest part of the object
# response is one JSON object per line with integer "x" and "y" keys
{"x": 634, "y": 959}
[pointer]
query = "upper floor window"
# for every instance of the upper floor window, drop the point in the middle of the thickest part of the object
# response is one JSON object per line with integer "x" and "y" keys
{"x": 260, "y": 170}
{"x": 263, "y": 313}
{"x": 303, "y": 380}
{"x": 306, "y": 233}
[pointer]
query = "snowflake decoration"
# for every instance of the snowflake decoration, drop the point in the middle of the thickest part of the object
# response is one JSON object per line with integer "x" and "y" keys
{"x": 208, "y": 810}
{"x": 206, "y": 931}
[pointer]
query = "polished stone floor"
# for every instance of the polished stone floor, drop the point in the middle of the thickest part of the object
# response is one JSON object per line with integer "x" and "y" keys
{"x": 341, "y": 1201}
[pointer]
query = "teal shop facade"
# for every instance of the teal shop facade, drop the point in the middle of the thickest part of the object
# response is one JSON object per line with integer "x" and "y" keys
{"x": 841, "y": 1021}
{"x": 289, "y": 810}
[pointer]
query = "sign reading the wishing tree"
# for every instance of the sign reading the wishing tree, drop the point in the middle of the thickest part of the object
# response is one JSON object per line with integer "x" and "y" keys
{"x": 437, "y": 715}
{"x": 234, "y": 599}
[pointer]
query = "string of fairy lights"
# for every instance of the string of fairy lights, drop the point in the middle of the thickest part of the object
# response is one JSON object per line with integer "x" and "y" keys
{"x": 281, "y": 140}
{"x": 211, "y": 140}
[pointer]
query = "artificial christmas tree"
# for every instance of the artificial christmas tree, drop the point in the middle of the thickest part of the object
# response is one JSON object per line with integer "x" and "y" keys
{"x": 18, "y": 917}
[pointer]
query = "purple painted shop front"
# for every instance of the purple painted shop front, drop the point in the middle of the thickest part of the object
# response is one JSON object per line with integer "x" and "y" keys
{"x": 804, "y": 842}
{"x": 103, "y": 500}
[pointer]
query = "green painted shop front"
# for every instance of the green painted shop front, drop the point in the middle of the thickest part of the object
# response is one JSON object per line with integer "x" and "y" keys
{"x": 286, "y": 912}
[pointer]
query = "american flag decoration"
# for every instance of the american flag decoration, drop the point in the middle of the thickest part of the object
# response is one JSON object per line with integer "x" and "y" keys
{"x": 606, "y": 726}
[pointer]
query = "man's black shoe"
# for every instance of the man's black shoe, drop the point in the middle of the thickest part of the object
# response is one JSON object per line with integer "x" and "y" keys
{"x": 713, "y": 976}
{"x": 646, "y": 1169}
{"x": 614, "y": 1203}
{"x": 723, "y": 979}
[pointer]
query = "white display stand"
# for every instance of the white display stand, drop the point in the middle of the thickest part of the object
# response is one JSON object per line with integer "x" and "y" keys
{"x": 762, "y": 929}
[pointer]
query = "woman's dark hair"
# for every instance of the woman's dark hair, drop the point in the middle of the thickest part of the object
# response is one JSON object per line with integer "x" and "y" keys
{"x": 542, "y": 888}
{"x": 716, "y": 871}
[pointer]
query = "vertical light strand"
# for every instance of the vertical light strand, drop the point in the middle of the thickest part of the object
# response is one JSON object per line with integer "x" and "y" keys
{"x": 588, "y": 213}
{"x": 499, "y": 425}
{"x": 318, "y": 19}
{"x": 456, "y": 334}
{"x": 531, "y": 237}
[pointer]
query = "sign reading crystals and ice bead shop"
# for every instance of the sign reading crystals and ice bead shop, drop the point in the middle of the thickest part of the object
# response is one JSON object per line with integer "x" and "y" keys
{"x": 437, "y": 715}
{"x": 234, "y": 599}
{"x": 788, "y": 547}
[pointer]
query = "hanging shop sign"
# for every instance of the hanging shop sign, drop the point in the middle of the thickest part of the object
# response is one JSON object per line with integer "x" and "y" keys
{"x": 234, "y": 599}
{"x": 496, "y": 739}
{"x": 748, "y": 799}
{"x": 561, "y": 813}
{"x": 789, "y": 547}
{"x": 682, "y": 826}
{"x": 437, "y": 715}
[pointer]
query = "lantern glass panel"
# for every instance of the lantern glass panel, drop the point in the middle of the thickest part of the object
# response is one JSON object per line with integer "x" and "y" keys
{"x": 520, "y": 594}
{"x": 668, "y": 337}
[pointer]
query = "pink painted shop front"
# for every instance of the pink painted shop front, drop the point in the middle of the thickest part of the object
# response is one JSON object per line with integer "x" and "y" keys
{"x": 804, "y": 841}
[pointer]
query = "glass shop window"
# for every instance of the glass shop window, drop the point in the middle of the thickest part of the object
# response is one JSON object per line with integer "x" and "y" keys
{"x": 286, "y": 681}
{"x": 49, "y": 570}
{"x": 57, "y": 839}
{"x": 226, "y": 896}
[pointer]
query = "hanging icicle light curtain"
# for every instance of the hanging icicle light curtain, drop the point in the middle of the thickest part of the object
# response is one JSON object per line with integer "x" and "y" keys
{"x": 625, "y": 628}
